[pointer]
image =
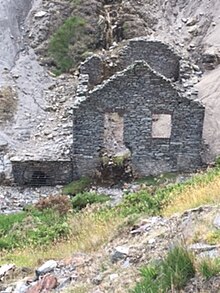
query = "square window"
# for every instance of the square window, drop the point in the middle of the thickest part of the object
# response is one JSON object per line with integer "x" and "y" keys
{"x": 161, "y": 125}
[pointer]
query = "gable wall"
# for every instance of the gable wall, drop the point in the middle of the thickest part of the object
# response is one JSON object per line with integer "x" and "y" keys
{"x": 137, "y": 94}
{"x": 157, "y": 54}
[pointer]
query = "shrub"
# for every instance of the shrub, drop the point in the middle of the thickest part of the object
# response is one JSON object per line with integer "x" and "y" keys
{"x": 209, "y": 267}
{"x": 77, "y": 186}
{"x": 81, "y": 200}
{"x": 139, "y": 202}
{"x": 68, "y": 43}
{"x": 171, "y": 273}
{"x": 59, "y": 203}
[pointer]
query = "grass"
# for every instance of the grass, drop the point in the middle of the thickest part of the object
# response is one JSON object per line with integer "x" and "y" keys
{"x": 213, "y": 237}
{"x": 81, "y": 200}
{"x": 172, "y": 273}
{"x": 77, "y": 289}
{"x": 157, "y": 180}
{"x": 89, "y": 231}
{"x": 46, "y": 232}
{"x": 77, "y": 186}
{"x": 200, "y": 190}
{"x": 33, "y": 228}
{"x": 62, "y": 42}
{"x": 209, "y": 267}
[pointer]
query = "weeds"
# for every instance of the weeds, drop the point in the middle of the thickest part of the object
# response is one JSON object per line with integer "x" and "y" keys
{"x": 199, "y": 190}
{"x": 209, "y": 267}
{"x": 139, "y": 202}
{"x": 213, "y": 237}
{"x": 86, "y": 232}
{"x": 61, "y": 204}
{"x": 32, "y": 228}
{"x": 171, "y": 273}
{"x": 78, "y": 186}
{"x": 50, "y": 221}
{"x": 81, "y": 200}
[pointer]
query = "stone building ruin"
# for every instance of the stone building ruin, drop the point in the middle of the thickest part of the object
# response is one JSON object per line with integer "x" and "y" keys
{"x": 162, "y": 126}
{"x": 130, "y": 101}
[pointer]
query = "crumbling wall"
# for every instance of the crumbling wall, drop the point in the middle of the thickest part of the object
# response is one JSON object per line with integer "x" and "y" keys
{"x": 137, "y": 94}
{"x": 157, "y": 54}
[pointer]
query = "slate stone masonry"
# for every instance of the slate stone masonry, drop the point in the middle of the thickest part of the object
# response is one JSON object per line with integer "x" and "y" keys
{"x": 142, "y": 89}
{"x": 42, "y": 173}
{"x": 145, "y": 80}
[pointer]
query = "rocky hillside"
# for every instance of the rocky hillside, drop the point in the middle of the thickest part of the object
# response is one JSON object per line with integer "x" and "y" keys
{"x": 112, "y": 248}
{"x": 103, "y": 247}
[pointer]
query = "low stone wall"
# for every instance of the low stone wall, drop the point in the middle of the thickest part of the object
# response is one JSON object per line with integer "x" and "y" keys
{"x": 42, "y": 173}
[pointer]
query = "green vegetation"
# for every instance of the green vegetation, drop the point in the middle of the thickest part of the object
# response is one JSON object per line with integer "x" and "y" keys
{"x": 173, "y": 272}
{"x": 33, "y": 227}
{"x": 142, "y": 202}
{"x": 77, "y": 186}
{"x": 158, "y": 180}
{"x": 68, "y": 43}
{"x": 213, "y": 237}
{"x": 81, "y": 200}
{"x": 55, "y": 219}
{"x": 199, "y": 190}
{"x": 209, "y": 267}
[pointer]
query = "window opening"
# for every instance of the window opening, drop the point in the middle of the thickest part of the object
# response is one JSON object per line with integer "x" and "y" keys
{"x": 161, "y": 125}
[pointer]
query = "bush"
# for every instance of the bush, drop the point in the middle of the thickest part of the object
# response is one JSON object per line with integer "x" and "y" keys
{"x": 59, "y": 203}
{"x": 77, "y": 186}
{"x": 140, "y": 202}
{"x": 209, "y": 268}
{"x": 171, "y": 273}
{"x": 68, "y": 43}
{"x": 81, "y": 200}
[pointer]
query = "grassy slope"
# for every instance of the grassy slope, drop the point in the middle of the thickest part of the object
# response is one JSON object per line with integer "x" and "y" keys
{"x": 37, "y": 235}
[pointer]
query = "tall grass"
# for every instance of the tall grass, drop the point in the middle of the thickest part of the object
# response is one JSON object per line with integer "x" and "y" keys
{"x": 199, "y": 190}
{"x": 172, "y": 273}
{"x": 89, "y": 231}
{"x": 209, "y": 267}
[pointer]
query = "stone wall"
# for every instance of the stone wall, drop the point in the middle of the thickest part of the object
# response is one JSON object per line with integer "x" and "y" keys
{"x": 39, "y": 173}
{"x": 158, "y": 55}
{"x": 137, "y": 93}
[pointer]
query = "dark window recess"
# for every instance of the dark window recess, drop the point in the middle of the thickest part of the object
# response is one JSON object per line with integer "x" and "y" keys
{"x": 39, "y": 178}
